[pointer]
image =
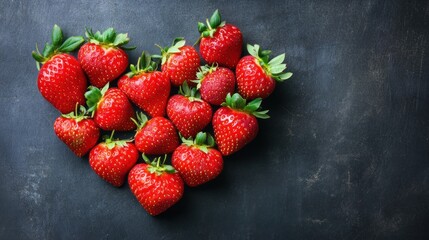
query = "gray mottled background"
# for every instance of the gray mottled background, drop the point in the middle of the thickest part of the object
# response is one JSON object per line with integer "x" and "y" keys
{"x": 345, "y": 154}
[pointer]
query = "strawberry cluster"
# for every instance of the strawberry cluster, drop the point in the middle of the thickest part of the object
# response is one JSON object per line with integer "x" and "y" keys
{"x": 226, "y": 92}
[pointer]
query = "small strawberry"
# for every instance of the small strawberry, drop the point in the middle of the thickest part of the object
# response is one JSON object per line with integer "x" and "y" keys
{"x": 220, "y": 42}
{"x": 77, "y": 131}
{"x": 235, "y": 123}
{"x": 156, "y": 136}
{"x": 179, "y": 62}
{"x": 110, "y": 108}
{"x": 197, "y": 161}
{"x": 156, "y": 186}
{"x": 188, "y": 112}
{"x": 103, "y": 58}
{"x": 113, "y": 159}
{"x": 257, "y": 76}
{"x": 61, "y": 80}
{"x": 215, "y": 83}
{"x": 147, "y": 88}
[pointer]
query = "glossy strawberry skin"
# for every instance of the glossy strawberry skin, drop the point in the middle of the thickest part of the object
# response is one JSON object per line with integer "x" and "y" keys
{"x": 224, "y": 48}
{"x": 79, "y": 136}
{"x": 158, "y": 136}
{"x": 195, "y": 166}
{"x": 183, "y": 66}
{"x": 149, "y": 91}
{"x": 156, "y": 193}
{"x": 62, "y": 82}
{"x": 113, "y": 165}
{"x": 102, "y": 64}
{"x": 252, "y": 81}
{"x": 114, "y": 111}
{"x": 216, "y": 85}
{"x": 233, "y": 129}
{"x": 188, "y": 116}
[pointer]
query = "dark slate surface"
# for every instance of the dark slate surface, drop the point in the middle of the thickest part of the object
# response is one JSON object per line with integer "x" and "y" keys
{"x": 344, "y": 156}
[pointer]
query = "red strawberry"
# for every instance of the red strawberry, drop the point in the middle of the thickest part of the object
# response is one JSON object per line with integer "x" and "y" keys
{"x": 179, "y": 62}
{"x": 103, "y": 58}
{"x": 220, "y": 42}
{"x": 188, "y": 112}
{"x": 77, "y": 131}
{"x": 113, "y": 159}
{"x": 61, "y": 80}
{"x": 215, "y": 83}
{"x": 147, "y": 88}
{"x": 110, "y": 108}
{"x": 156, "y": 136}
{"x": 197, "y": 161}
{"x": 256, "y": 76}
{"x": 235, "y": 123}
{"x": 156, "y": 186}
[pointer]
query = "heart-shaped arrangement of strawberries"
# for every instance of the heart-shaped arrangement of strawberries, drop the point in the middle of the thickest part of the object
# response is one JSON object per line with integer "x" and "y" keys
{"x": 206, "y": 94}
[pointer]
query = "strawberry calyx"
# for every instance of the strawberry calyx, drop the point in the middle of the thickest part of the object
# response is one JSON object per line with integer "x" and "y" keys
{"x": 237, "y": 102}
{"x": 93, "y": 97}
{"x": 155, "y": 166}
{"x": 109, "y": 38}
{"x": 166, "y": 52}
{"x": 144, "y": 65}
{"x": 191, "y": 93}
{"x": 211, "y": 26}
{"x": 202, "y": 141}
{"x": 140, "y": 121}
{"x": 111, "y": 143}
{"x": 57, "y": 46}
{"x": 204, "y": 71}
{"x": 78, "y": 115}
{"x": 274, "y": 67}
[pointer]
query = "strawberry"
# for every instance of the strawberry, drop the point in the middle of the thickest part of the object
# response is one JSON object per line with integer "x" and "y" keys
{"x": 179, "y": 62}
{"x": 61, "y": 80}
{"x": 257, "y": 76}
{"x": 110, "y": 108}
{"x": 196, "y": 160}
{"x": 103, "y": 57}
{"x": 147, "y": 88}
{"x": 156, "y": 186}
{"x": 220, "y": 42}
{"x": 77, "y": 131}
{"x": 215, "y": 83}
{"x": 156, "y": 136}
{"x": 235, "y": 123}
{"x": 188, "y": 112}
{"x": 113, "y": 159}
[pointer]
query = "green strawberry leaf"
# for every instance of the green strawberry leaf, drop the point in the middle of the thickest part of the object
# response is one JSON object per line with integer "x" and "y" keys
{"x": 277, "y": 60}
{"x": 57, "y": 36}
{"x": 215, "y": 19}
{"x": 71, "y": 44}
{"x": 201, "y": 27}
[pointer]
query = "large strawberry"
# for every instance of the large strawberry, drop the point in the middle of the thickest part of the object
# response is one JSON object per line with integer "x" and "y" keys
{"x": 77, "y": 131}
{"x": 155, "y": 136}
{"x": 257, "y": 75}
{"x": 220, "y": 42}
{"x": 110, "y": 108}
{"x": 113, "y": 159}
{"x": 188, "y": 112}
{"x": 179, "y": 62}
{"x": 215, "y": 83}
{"x": 196, "y": 160}
{"x": 156, "y": 186}
{"x": 61, "y": 80}
{"x": 103, "y": 58}
{"x": 147, "y": 88}
{"x": 235, "y": 124}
